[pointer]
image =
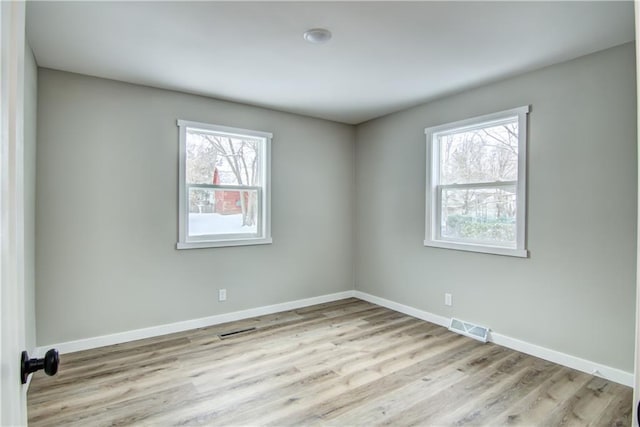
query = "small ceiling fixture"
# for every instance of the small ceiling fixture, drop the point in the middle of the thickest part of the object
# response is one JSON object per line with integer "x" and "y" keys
{"x": 317, "y": 35}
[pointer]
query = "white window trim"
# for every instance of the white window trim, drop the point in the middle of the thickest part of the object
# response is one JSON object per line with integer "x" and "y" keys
{"x": 184, "y": 242}
{"x": 432, "y": 201}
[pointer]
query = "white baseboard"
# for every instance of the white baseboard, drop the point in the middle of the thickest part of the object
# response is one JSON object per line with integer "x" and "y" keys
{"x": 154, "y": 331}
{"x": 420, "y": 314}
{"x": 593, "y": 368}
{"x": 613, "y": 374}
{"x": 584, "y": 365}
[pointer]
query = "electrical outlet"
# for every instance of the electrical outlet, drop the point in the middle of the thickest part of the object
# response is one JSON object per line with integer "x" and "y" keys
{"x": 448, "y": 300}
{"x": 222, "y": 294}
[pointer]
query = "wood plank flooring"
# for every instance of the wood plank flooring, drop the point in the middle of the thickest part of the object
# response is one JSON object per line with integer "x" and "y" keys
{"x": 344, "y": 363}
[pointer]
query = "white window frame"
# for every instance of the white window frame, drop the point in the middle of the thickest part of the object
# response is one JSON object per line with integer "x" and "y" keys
{"x": 264, "y": 191}
{"x": 434, "y": 189}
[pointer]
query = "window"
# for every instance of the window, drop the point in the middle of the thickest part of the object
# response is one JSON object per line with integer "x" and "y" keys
{"x": 224, "y": 195}
{"x": 476, "y": 171}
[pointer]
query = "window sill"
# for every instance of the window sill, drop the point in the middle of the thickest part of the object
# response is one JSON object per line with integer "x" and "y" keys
{"x": 468, "y": 247}
{"x": 223, "y": 243}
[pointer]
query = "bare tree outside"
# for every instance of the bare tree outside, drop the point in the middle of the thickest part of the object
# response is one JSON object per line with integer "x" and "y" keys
{"x": 215, "y": 161}
{"x": 487, "y": 156}
{"x": 241, "y": 156}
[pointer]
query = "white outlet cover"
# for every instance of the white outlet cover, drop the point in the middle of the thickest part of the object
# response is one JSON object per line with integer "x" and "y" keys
{"x": 448, "y": 300}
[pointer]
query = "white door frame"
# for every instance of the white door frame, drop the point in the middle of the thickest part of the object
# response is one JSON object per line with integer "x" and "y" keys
{"x": 636, "y": 388}
{"x": 13, "y": 409}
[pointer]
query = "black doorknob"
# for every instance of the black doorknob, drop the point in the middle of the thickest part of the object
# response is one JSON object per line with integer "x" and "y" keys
{"x": 49, "y": 363}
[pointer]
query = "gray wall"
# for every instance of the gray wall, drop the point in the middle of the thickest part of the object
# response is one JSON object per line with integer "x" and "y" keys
{"x": 107, "y": 215}
{"x": 576, "y": 291}
{"x": 107, "y": 211}
{"x": 30, "y": 110}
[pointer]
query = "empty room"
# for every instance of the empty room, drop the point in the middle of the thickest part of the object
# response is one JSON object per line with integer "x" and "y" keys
{"x": 318, "y": 213}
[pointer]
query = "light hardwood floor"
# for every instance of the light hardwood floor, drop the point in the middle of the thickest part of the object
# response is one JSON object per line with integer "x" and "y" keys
{"x": 342, "y": 363}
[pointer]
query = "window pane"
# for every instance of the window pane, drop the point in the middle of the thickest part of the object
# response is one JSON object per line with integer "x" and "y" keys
{"x": 221, "y": 159}
{"x": 479, "y": 215}
{"x": 217, "y": 211}
{"x": 487, "y": 154}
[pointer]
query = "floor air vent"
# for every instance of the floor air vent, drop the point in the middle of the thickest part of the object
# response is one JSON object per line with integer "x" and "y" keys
{"x": 477, "y": 332}
{"x": 231, "y": 334}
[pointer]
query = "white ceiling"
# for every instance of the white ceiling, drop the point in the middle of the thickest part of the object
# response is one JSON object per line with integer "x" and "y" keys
{"x": 384, "y": 56}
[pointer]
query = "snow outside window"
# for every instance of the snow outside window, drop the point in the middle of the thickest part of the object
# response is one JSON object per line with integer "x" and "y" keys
{"x": 476, "y": 172}
{"x": 224, "y": 197}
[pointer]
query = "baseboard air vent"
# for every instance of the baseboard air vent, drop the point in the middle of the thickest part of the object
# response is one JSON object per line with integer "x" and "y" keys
{"x": 477, "y": 332}
{"x": 231, "y": 334}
